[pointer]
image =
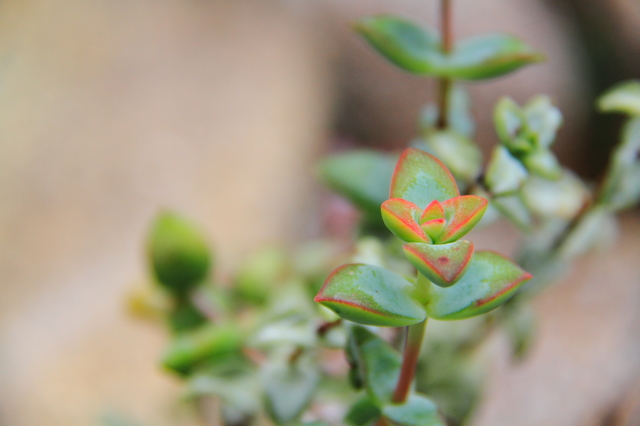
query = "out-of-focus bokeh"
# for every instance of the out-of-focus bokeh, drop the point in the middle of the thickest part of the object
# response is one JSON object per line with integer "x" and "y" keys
{"x": 113, "y": 109}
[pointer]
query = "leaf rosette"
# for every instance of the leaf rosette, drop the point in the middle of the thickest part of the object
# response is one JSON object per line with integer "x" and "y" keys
{"x": 426, "y": 211}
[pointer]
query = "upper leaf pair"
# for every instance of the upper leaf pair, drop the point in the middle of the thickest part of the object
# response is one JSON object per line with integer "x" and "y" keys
{"x": 439, "y": 223}
{"x": 418, "y": 50}
{"x": 425, "y": 206}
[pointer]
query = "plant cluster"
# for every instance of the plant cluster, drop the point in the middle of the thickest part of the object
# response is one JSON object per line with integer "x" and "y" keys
{"x": 258, "y": 345}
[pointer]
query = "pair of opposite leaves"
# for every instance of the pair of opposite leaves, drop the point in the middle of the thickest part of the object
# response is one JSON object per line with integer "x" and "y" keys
{"x": 427, "y": 211}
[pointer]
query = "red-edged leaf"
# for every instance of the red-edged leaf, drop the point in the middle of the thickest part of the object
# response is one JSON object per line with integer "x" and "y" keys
{"x": 462, "y": 214}
{"x": 433, "y": 211}
{"x": 370, "y": 295}
{"x": 421, "y": 178}
{"x": 434, "y": 228}
{"x": 490, "y": 280}
{"x": 442, "y": 264}
{"x": 400, "y": 217}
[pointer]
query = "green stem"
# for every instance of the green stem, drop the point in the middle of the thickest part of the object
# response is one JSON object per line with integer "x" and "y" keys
{"x": 413, "y": 343}
{"x": 445, "y": 84}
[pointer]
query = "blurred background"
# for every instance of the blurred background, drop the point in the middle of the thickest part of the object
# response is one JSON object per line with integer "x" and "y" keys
{"x": 113, "y": 109}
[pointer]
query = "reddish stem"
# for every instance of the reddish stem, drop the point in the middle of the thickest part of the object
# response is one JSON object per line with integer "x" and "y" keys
{"x": 444, "y": 84}
{"x": 326, "y": 326}
{"x": 413, "y": 343}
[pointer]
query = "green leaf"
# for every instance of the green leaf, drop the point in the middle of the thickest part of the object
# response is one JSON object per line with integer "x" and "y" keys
{"x": 293, "y": 329}
{"x": 361, "y": 176}
{"x": 206, "y": 343}
{"x": 238, "y": 390}
{"x": 462, "y": 214}
{"x": 400, "y": 217}
{"x": 509, "y": 121}
{"x": 623, "y": 97}
{"x": 370, "y": 295}
{"x": 529, "y": 132}
{"x": 363, "y": 412}
{"x": 505, "y": 173}
{"x": 417, "y": 411}
{"x": 403, "y": 43}
{"x": 421, "y": 178}
{"x": 563, "y": 198}
{"x": 289, "y": 387}
{"x": 418, "y": 50}
{"x": 489, "y": 56}
{"x": 490, "y": 280}
{"x": 456, "y": 151}
{"x": 543, "y": 120}
{"x": 378, "y": 364}
{"x": 179, "y": 255}
{"x": 622, "y": 184}
{"x": 543, "y": 162}
{"x": 442, "y": 264}
{"x": 433, "y": 211}
{"x": 513, "y": 208}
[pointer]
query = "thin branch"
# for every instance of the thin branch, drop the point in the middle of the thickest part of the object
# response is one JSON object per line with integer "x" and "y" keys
{"x": 445, "y": 84}
{"x": 413, "y": 344}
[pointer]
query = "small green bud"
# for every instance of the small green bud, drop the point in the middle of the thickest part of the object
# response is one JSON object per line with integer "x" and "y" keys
{"x": 180, "y": 258}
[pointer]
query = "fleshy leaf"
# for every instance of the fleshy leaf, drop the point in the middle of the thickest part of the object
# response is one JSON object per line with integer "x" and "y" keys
{"x": 505, "y": 173}
{"x": 418, "y": 50}
{"x": 418, "y": 410}
{"x": 400, "y": 216}
{"x": 490, "y": 280}
{"x": 543, "y": 162}
{"x": 622, "y": 184}
{"x": 206, "y": 343}
{"x": 456, "y": 151}
{"x": 433, "y": 211}
{"x": 403, "y": 43}
{"x": 370, "y": 295}
{"x": 378, "y": 362}
{"x": 442, "y": 264}
{"x": 462, "y": 214}
{"x": 363, "y": 412}
{"x": 237, "y": 386}
{"x": 361, "y": 176}
{"x": 434, "y": 227}
{"x": 623, "y": 97}
{"x": 543, "y": 120}
{"x": 289, "y": 387}
{"x": 490, "y": 56}
{"x": 563, "y": 198}
{"x": 421, "y": 178}
{"x": 509, "y": 120}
